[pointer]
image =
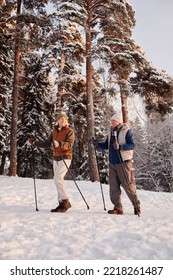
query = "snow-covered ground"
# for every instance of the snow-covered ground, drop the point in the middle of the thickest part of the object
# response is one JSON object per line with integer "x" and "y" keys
{"x": 81, "y": 233}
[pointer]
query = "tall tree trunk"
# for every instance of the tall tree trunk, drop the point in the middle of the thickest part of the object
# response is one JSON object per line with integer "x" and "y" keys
{"x": 14, "y": 120}
{"x": 124, "y": 93}
{"x": 93, "y": 169}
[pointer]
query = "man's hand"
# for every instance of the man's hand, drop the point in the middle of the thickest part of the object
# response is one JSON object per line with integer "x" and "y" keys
{"x": 116, "y": 145}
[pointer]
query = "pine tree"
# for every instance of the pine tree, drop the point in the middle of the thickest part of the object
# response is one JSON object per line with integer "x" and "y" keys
{"x": 67, "y": 48}
{"x": 23, "y": 20}
{"x": 86, "y": 14}
{"x": 156, "y": 89}
{"x": 34, "y": 121}
{"x": 6, "y": 72}
{"x": 14, "y": 119}
{"x": 117, "y": 47}
{"x": 128, "y": 64}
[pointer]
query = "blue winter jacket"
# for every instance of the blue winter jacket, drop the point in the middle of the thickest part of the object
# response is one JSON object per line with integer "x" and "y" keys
{"x": 114, "y": 155}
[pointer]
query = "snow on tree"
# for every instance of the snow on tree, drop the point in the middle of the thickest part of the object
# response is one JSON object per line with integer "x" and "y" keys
{"x": 34, "y": 121}
{"x": 156, "y": 89}
{"x": 153, "y": 153}
{"x": 6, "y": 73}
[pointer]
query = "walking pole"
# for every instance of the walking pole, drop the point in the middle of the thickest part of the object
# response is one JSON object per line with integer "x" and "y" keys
{"x": 125, "y": 175}
{"x": 73, "y": 178}
{"x": 100, "y": 179}
{"x": 33, "y": 166}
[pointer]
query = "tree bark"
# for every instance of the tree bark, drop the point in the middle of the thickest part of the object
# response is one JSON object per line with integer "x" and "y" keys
{"x": 124, "y": 93}
{"x": 14, "y": 120}
{"x": 93, "y": 169}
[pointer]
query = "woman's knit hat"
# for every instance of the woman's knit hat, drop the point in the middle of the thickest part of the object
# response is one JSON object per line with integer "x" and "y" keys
{"x": 60, "y": 115}
{"x": 117, "y": 117}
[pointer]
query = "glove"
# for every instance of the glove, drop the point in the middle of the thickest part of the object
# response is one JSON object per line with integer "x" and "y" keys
{"x": 55, "y": 144}
{"x": 116, "y": 145}
{"x": 30, "y": 141}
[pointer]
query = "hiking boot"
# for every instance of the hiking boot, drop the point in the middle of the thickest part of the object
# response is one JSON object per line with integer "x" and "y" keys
{"x": 63, "y": 206}
{"x": 56, "y": 209}
{"x": 137, "y": 208}
{"x": 116, "y": 211}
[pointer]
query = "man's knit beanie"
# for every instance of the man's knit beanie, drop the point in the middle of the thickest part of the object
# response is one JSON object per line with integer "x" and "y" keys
{"x": 117, "y": 117}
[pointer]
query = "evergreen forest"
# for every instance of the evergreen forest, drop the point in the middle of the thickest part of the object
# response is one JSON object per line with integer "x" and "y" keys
{"x": 80, "y": 57}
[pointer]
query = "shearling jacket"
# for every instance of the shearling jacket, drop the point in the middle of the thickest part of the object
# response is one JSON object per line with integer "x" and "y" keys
{"x": 65, "y": 137}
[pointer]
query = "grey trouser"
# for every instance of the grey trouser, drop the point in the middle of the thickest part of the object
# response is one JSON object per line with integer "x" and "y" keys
{"x": 122, "y": 174}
